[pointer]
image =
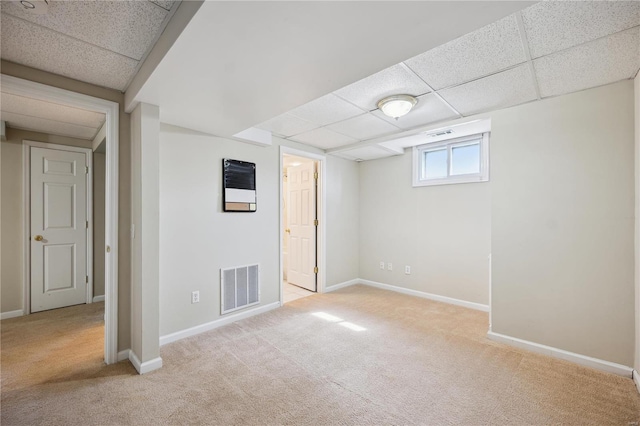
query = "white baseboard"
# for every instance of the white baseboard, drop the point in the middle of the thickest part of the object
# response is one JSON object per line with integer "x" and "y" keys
{"x": 98, "y": 298}
{"x": 587, "y": 361}
{"x": 430, "y": 296}
{"x": 144, "y": 367}
{"x": 172, "y": 337}
{"x": 341, "y": 285}
{"x": 11, "y": 314}
{"x": 636, "y": 379}
{"x": 122, "y": 355}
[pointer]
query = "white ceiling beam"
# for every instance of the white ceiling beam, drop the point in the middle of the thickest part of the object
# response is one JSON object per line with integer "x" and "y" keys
{"x": 181, "y": 17}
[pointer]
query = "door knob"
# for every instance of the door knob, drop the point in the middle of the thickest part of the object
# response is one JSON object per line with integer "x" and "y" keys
{"x": 38, "y": 238}
{"x": 287, "y": 230}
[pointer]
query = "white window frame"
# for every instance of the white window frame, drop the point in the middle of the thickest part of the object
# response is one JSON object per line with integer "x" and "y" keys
{"x": 449, "y": 144}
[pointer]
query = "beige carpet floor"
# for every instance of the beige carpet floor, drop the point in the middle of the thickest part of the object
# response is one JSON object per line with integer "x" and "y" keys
{"x": 358, "y": 356}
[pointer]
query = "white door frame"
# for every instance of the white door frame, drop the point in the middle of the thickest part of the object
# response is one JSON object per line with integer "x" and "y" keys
{"x": 43, "y": 92}
{"x": 322, "y": 214}
{"x": 26, "y": 217}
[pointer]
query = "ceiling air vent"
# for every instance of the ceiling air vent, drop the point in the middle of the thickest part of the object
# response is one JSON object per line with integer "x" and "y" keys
{"x": 446, "y": 132}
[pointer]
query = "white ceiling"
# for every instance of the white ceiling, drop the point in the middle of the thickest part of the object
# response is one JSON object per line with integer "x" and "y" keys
{"x": 547, "y": 49}
{"x": 313, "y": 72}
{"x": 100, "y": 42}
{"x": 55, "y": 119}
{"x": 237, "y": 64}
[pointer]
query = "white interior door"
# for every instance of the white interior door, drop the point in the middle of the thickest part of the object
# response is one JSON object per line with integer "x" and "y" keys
{"x": 58, "y": 228}
{"x": 302, "y": 228}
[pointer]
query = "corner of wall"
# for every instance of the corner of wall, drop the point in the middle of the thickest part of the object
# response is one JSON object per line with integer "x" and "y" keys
{"x": 146, "y": 366}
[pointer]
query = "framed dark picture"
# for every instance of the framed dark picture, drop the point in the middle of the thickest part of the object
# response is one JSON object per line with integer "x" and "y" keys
{"x": 238, "y": 186}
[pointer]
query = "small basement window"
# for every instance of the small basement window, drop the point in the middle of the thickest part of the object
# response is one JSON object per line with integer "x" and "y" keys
{"x": 460, "y": 160}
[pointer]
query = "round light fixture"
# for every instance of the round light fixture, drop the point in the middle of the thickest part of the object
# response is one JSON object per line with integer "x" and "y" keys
{"x": 397, "y": 105}
{"x": 35, "y": 7}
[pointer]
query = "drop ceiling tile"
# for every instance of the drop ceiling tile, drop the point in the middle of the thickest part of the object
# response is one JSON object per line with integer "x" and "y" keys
{"x": 392, "y": 81}
{"x": 125, "y": 27}
{"x": 52, "y": 127}
{"x": 323, "y": 138}
{"x": 165, "y": 4}
{"x": 51, "y": 111}
{"x": 50, "y": 51}
{"x": 502, "y": 90}
{"x": 603, "y": 61}
{"x": 287, "y": 125}
{"x": 429, "y": 109}
{"x": 556, "y": 25}
{"x": 490, "y": 49}
{"x": 326, "y": 110}
{"x": 364, "y": 127}
{"x": 369, "y": 152}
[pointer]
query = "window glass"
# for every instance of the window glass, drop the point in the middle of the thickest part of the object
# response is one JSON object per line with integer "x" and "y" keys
{"x": 465, "y": 159}
{"x": 435, "y": 164}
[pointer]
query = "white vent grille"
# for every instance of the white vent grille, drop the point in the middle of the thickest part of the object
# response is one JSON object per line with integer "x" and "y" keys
{"x": 435, "y": 135}
{"x": 240, "y": 288}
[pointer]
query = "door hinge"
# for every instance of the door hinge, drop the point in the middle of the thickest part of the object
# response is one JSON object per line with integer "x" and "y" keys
{"x": 315, "y": 222}
{"x": 86, "y": 279}
{"x": 87, "y": 225}
{"x": 86, "y": 170}
{"x": 315, "y": 269}
{"x": 315, "y": 175}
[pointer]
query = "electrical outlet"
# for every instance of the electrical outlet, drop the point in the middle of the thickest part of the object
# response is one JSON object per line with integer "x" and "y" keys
{"x": 390, "y": 266}
{"x": 381, "y": 264}
{"x": 407, "y": 269}
{"x": 195, "y": 296}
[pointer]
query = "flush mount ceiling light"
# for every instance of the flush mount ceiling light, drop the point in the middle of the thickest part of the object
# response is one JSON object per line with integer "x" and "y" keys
{"x": 397, "y": 105}
{"x": 37, "y": 7}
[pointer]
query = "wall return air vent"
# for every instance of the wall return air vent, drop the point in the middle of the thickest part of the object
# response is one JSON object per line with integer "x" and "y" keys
{"x": 240, "y": 287}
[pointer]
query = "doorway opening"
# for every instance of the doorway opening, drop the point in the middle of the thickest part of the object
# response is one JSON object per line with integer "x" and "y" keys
{"x": 61, "y": 214}
{"x": 302, "y": 228}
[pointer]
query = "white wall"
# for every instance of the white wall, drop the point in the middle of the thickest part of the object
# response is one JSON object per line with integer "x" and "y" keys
{"x": 441, "y": 232}
{"x": 98, "y": 222}
{"x": 197, "y": 239}
{"x": 562, "y": 211}
{"x": 12, "y": 238}
{"x": 343, "y": 217}
{"x": 11, "y": 269}
{"x": 145, "y": 241}
{"x": 637, "y": 224}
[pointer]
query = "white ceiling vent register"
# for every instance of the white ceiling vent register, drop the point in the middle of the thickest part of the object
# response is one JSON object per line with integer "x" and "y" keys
{"x": 240, "y": 288}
